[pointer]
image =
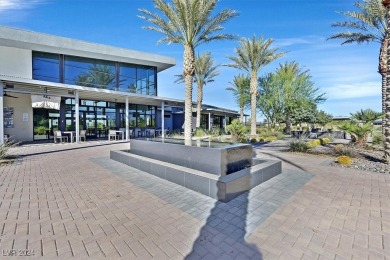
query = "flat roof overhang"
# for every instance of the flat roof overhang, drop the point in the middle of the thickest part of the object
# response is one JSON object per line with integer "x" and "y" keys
{"x": 30, "y": 86}
{"x": 28, "y": 40}
{"x": 38, "y": 87}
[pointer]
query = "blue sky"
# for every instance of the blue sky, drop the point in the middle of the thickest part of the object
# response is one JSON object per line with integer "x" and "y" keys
{"x": 347, "y": 74}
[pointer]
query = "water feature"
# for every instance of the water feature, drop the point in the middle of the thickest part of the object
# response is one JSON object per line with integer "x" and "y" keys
{"x": 219, "y": 170}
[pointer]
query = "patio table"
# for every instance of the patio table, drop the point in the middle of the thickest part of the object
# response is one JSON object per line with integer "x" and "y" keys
{"x": 71, "y": 134}
{"x": 121, "y": 133}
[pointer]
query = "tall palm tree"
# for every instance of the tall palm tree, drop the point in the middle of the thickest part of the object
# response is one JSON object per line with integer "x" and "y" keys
{"x": 241, "y": 88}
{"x": 370, "y": 24}
{"x": 205, "y": 72}
{"x": 189, "y": 23}
{"x": 251, "y": 56}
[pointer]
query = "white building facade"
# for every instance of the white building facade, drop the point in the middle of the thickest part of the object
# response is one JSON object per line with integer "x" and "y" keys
{"x": 50, "y": 83}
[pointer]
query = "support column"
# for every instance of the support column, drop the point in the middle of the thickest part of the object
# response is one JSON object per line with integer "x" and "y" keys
{"x": 77, "y": 116}
{"x": 127, "y": 118}
{"x": 163, "y": 119}
{"x": 209, "y": 121}
{"x": 224, "y": 125}
{"x": 1, "y": 113}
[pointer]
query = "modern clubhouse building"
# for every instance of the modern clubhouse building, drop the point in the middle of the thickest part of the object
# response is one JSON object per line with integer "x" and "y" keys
{"x": 50, "y": 83}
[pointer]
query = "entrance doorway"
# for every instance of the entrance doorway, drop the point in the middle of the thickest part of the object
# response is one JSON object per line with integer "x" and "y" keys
{"x": 45, "y": 121}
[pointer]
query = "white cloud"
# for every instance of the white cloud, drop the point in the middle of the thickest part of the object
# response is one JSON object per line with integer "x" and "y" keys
{"x": 354, "y": 90}
{"x": 17, "y": 4}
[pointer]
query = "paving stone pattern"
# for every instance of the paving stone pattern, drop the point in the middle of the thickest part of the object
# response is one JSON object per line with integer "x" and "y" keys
{"x": 69, "y": 201}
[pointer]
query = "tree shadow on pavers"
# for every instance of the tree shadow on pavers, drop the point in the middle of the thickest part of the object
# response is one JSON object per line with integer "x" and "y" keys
{"x": 223, "y": 235}
{"x": 285, "y": 160}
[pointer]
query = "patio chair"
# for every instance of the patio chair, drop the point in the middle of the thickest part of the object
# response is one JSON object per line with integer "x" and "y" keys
{"x": 111, "y": 134}
{"x": 58, "y": 135}
{"x": 83, "y": 134}
{"x": 152, "y": 132}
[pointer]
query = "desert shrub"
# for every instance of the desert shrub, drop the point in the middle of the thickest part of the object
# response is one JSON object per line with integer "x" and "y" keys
{"x": 344, "y": 160}
{"x": 4, "y": 149}
{"x": 215, "y": 131}
{"x": 314, "y": 143}
{"x": 324, "y": 140}
{"x": 270, "y": 138}
{"x": 199, "y": 132}
{"x": 344, "y": 150}
{"x": 237, "y": 130}
{"x": 377, "y": 138}
{"x": 298, "y": 146}
{"x": 279, "y": 135}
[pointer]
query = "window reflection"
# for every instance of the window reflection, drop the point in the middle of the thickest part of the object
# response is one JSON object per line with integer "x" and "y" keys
{"x": 90, "y": 73}
{"x": 95, "y": 73}
{"x": 46, "y": 66}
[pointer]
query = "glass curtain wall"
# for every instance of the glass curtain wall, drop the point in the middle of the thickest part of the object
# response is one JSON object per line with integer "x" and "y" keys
{"x": 139, "y": 116}
{"x": 87, "y": 72}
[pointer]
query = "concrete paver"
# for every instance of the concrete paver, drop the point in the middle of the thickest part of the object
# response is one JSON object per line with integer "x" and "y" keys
{"x": 73, "y": 201}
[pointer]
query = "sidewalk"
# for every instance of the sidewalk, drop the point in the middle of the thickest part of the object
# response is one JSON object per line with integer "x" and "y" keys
{"x": 74, "y": 201}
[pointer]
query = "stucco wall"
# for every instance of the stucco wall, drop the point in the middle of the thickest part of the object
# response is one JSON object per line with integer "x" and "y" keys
{"x": 22, "y": 130}
{"x": 16, "y": 62}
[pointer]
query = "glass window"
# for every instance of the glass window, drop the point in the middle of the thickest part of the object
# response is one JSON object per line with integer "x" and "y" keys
{"x": 95, "y": 73}
{"x": 90, "y": 72}
{"x": 46, "y": 66}
{"x": 133, "y": 115}
{"x": 128, "y": 70}
{"x": 128, "y": 84}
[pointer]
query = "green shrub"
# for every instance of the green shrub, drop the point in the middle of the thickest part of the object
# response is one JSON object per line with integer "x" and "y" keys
{"x": 279, "y": 135}
{"x": 40, "y": 130}
{"x": 324, "y": 140}
{"x": 344, "y": 160}
{"x": 253, "y": 140}
{"x": 314, "y": 143}
{"x": 377, "y": 138}
{"x": 237, "y": 130}
{"x": 216, "y": 131}
{"x": 299, "y": 146}
{"x": 270, "y": 138}
{"x": 261, "y": 139}
{"x": 199, "y": 132}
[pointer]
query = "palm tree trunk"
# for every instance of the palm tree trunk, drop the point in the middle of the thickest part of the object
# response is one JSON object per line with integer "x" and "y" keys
{"x": 199, "y": 105}
{"x": 189, "y": 69}
{"x": 241, "y": 114}
{"x": 253, "y": 102}
{"x": 384, "y": 71}
{"x": 386, "y": 120}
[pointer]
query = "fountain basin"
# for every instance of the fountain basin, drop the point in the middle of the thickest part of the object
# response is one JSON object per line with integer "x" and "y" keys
{"x": 223, "y": 187}
{"x": 212, "y": 157}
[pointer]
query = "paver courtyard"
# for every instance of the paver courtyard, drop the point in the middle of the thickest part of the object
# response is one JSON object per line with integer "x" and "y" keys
{"x": 71, "y": 200}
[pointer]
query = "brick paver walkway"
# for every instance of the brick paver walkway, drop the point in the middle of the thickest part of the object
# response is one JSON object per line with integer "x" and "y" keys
{"x": 72, "y": 201}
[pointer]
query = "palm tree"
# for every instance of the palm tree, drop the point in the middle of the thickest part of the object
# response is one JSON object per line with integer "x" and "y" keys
{"x": 370, "y": 24}
{"x": 252, "y": 55}
{"x": 366, "y": 115}
{"x": 240, "y": 88}
{"x": 98, "y": 76}
{"x": 205, "y": 72}
{"x": 189, "y": 23}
